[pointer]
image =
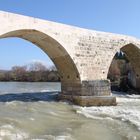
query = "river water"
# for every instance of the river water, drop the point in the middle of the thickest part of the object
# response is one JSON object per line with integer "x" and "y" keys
{"x": 28, "y": 111}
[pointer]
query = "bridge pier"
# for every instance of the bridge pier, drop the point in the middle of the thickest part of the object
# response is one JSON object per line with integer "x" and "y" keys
{"x": 88, "y": 93}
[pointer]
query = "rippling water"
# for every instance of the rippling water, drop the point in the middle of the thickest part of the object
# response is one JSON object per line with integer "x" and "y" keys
{"x": 28, "y": 111}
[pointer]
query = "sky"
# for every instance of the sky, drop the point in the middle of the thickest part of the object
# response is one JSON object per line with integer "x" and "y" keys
{"x": 117, "y": 16}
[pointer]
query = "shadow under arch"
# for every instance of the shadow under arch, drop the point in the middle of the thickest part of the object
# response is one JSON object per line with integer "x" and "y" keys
{"x": 132, "y": 55}
{"x": 58, "y": 54}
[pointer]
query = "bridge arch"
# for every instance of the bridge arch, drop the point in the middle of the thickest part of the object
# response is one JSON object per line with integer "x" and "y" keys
{"x": 66, "y": 67}
{"x": 132, "y": 53}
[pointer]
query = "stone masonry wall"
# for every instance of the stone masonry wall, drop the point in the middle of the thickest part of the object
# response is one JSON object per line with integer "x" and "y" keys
{"x": 83, "y": 56}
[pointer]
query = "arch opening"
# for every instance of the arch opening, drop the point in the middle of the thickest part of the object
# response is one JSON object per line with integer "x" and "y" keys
{"x": 124, "y": 70}
{"x": 67, "y": 70}
{"x": 22, "y": 61}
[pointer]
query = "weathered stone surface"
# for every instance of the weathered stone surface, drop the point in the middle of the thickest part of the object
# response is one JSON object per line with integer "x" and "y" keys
{"x": 90, "y": 100}
{"x": 82, "y": 56}
{"x": 96, "y": 88}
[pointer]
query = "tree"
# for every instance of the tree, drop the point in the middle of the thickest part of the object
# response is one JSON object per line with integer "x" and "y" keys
{"x": 36, "y": 66}
{"x": 2, "y": 76}
{"x": 36, "y": 71}
{"x": 19, "y": 73}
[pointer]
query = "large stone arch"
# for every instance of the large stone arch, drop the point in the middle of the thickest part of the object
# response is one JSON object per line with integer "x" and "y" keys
{"x": 69, "y": 75}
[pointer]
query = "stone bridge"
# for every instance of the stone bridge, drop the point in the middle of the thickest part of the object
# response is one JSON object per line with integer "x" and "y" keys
{"x": 82, "y": 56}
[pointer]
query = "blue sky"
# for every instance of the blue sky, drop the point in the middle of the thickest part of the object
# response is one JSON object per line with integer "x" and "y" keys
{"x": 117, "y": 16}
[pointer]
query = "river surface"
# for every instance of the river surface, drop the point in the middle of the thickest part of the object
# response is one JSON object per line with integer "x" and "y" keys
{"x": 28, "y": 111}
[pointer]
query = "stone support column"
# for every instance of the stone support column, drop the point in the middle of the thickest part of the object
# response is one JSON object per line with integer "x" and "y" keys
{"x": 88, "y": 93}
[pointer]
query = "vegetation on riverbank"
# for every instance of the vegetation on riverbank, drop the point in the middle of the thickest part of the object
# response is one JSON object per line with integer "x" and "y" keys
{"x": 33, "y": 72}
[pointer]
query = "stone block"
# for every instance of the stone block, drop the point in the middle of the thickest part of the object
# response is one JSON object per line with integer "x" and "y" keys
{"x": 90, "y": 100}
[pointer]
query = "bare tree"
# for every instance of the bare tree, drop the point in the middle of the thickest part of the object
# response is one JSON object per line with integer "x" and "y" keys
{"x": 37, "y": 66}
{"x": 18, "y": 73}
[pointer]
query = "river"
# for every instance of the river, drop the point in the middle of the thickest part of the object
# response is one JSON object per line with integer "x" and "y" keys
{"x": 28, "y": 111}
